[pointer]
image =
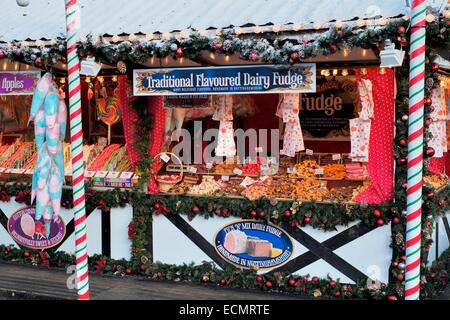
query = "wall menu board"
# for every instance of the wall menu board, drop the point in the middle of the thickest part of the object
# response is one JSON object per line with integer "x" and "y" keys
{"x": 326, "y": 113}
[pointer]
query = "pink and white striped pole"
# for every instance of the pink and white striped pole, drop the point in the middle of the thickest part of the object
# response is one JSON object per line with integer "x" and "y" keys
{"x": 76, "y": 138}
{"x": 415, "y": 151}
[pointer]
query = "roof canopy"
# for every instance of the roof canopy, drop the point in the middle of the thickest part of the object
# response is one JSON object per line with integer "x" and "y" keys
{"x": 46, "y": 19}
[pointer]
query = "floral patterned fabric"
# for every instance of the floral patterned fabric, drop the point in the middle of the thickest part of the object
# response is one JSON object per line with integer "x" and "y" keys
{"x": 287, "y": 110}
{"x": 226, "y": 146}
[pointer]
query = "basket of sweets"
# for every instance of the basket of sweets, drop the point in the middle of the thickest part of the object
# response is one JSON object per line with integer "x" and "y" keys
{"x": 167, "y": 182}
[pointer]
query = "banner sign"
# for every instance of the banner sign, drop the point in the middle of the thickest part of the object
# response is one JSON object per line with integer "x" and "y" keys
{"x": 187, "y": 101}
{"x": 250, "y": 244}
{"x": 326, "y": 113}
{"x": 18, "y": 82}
{"x": 225, "y": 80}
{"x": 28, "y": 232}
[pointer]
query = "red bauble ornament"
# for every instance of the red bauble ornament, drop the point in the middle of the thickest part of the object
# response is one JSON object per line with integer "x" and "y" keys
{"x": 442, "y": 202}
{"x": 392, "y": 298}
{"x": 428, "y": 122}
{"x": 431, "y": 108}
{"x": 403, "y": 142}
{"x": 333, "y": 48}
{"x": 395, "y": 264}
{"x": 217, "y": 46}
{"x": 431, "y": 195}
{"x": 218, "y": 212}
{"x": 340, "y": 34}
{"x": 2, "y": 54}
{"x": 259, "y": 278}
{"x": 268, "y": 284}
{"x": 402, "y": 161}
{"x": 262, "y": 214}
{"x": 63, "y": 59}
{"x": 222, "y": 282}
{"x": 121, "y": 66}
{"x": 403, "y": 42}
{"x": 404, "y": 185}
{"x": 38, "y": 62}
{"x": 400, "y": 276}
{"x": 377, "y": 213}
{"x": 396, "y": 220}
{"x": 253, "y": 213}
{"x": 430, "y": 151}
{"x": 158, "y": 274}
{"x": 287, "y": 213}
{"x": 294, "y": 56}
{"x": 435, "y": 67}
{"x": 157, "y": 206}
{"x": 26, "y": 254}
{"x": 128, "y": 270}
{"x": 401, "y": 29}
{"x": 143, "y": 267}
{"x": 337, "y": 294}
{"x": 315, "y": 279}
{"x": 195, "y": 209}
{"x": 292, "y": 281}
{"x": 428, "y": 102}
{"x": 225, "y": 212}
{"x": 380, "y": 222}
{"x": 332, "y": 283}
{"x": 253, "y": 56}
{"x": 179, "y": 53}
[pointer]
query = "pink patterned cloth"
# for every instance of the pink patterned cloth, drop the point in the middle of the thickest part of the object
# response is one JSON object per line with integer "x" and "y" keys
{"x": 226, "y": 146}
{"x": 381, "y": 153}
{"x": 438, "y": 125}
{"x": 287, "y": 110}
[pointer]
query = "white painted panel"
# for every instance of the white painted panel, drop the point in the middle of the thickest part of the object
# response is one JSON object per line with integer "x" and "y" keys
{"x": 443, "y": 241}
{"x": 371, "y": 253}
{"x": 170, "y": 245}
{"x": 120, "y": 244}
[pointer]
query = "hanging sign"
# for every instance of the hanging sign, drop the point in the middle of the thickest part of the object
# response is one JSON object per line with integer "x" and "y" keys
{"x": 28, "y": 232}
{"x": 18, "y": 82}
{"x": 225, "y": 80}
{"x": 251, "y": 244}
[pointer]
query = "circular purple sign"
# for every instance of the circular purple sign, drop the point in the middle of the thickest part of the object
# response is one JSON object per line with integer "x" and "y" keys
{"x": 28, "y": 232}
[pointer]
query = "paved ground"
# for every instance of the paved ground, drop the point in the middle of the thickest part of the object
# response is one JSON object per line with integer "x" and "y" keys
{"x": 25, "y": 282}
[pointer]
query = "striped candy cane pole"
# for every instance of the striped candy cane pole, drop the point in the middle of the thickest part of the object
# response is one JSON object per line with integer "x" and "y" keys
{"x": 415, "y": 150}
{"x": 76, "y": 137}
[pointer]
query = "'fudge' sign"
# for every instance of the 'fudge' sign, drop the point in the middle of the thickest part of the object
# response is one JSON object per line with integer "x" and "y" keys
{"x": 253, "y": 245}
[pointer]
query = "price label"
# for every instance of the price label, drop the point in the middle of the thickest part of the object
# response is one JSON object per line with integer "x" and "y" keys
{"x": 192, "y": 169}
{"x": 309, "y": 152}
{"x": 290, "y": 170}
{"x": 264, "y": 167}
{"x": 237, "y": 171}
{"x": 209, "y": 165}
{"x": 164, "y": 157}
{"x": 225, "y": 178}
{"x": 319, "y": 171}
{"x": 259, "y": 149}
{"x": 247, "y": 182}
{"x": 336, "y": 156}
{"x": 264, "y": 178}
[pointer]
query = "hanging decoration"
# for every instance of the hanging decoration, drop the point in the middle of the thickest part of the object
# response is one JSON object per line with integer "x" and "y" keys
{"x": 108, "y": 108}
{"x": 226, "y": 146}
{"x": 287, "y": 110}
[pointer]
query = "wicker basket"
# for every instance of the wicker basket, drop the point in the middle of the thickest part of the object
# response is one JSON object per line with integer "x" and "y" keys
{"x": 164, "y": 185}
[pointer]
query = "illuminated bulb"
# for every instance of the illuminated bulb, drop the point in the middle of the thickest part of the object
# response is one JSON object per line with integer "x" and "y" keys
{"x": 344, "y": 72}
{"x": 363, "y": 71}
{"x": 335, "y": 72}
{"x": 115, "y": 38}
{"x": 227, "y": 58}
{"x": 360, "y": 23}
{"x": 114, "y": 79}
{"x": 317, "y": 26}
{"x": 257, "y": 29}
{"x": 27, "y": 67}
{"x": 132, "y": 37}
{"x": 338, "y": 24}
{"x": 165, "y": 36}
{"x": 212, "y": 55}
{"x": 382, "y": 21}
{"x": 166, "y": 60}
{"x": 430, "y": 18}
{"x": 5, "y": 65}
{"x": 88, "y": 80}
{"x": 406, "y": 18}
{"x": 149, "y": 37}
{"x": 446, "y": 14}
{"x": 100, "y": 79}
{"x": 382, "y": 71}
{"x": 97, "y": 40}
{"x": 326, "y": 73}
{"x": 276, "y": 28}
{"x": 62, "y": 80}
{"x": 181, "y": 60}
{"x": 345, "y": 53}
{"x": 16, "y": 66}
{"x": 238, "y": 30}
{"x": 152, "y": 60}
{"x": 364, "y": 52}
{"x": 296, "y": 27}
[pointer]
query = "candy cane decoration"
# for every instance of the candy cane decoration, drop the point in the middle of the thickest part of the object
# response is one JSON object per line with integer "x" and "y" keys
{"x": 76, "y": 137}
{"x": 415, "y": 150}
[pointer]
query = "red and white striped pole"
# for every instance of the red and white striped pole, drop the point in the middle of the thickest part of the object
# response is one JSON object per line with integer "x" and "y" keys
{"x": 415, "y": 150}
{"x": 76, "y": 138}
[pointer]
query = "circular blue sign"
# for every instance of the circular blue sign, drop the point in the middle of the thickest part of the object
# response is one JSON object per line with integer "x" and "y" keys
{"x": 251, "y": 244}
